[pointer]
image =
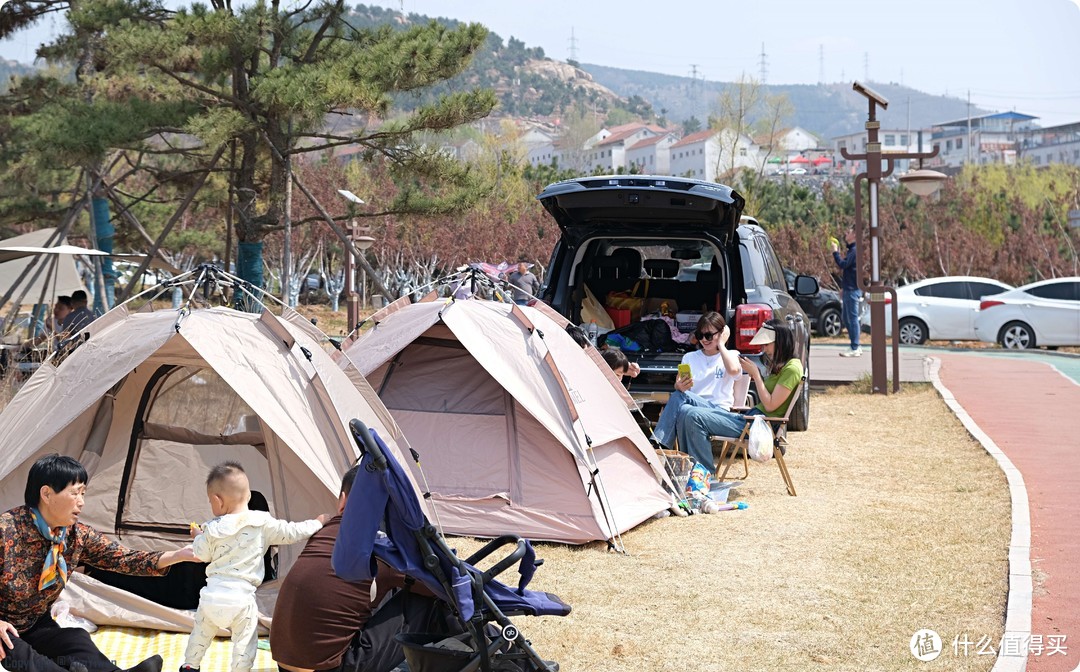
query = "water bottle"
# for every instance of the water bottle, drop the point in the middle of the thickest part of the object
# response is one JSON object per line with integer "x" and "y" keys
{"x": 592, "y": 332}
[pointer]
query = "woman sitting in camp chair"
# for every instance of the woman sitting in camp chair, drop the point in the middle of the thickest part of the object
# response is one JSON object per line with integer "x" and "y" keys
{"x": 785, "y": 370}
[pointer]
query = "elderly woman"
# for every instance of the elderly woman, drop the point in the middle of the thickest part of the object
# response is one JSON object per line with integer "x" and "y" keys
{"x": 785, "y": 370}
{"x": 39, "y": 543}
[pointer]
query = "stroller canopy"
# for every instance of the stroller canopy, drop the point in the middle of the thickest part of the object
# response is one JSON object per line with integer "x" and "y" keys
{"x": 502, "y": 404}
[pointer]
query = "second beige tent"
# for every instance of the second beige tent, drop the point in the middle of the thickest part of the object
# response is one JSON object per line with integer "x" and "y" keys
{"x": 517, "y": 429}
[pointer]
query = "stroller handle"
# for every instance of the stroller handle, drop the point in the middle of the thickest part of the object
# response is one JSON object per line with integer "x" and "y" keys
{"x": 362, "y": 436}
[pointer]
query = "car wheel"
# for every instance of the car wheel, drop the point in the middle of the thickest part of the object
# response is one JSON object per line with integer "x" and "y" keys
{"x": 912, "y": 331}
{"x": 1016, "y": 336}
{"x": 829, "y": 323}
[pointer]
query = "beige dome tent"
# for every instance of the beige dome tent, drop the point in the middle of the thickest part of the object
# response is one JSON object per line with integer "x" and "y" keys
{"x": 517, "y": 428}
{"x": 149, "y": 401}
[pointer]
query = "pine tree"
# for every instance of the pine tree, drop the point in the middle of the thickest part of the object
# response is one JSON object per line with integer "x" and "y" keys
{"x": 270, "y": 84}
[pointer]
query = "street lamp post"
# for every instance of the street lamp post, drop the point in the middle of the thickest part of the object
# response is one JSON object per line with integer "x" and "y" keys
{"x": 875, "y": 291}
{"x": 362, "y": 242}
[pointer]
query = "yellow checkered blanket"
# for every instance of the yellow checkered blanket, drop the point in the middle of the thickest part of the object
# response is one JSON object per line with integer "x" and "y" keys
{"x": 129, "y": 646}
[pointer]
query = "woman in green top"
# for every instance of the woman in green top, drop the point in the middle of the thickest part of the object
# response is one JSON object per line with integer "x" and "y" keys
{"x": 785, "y": 370}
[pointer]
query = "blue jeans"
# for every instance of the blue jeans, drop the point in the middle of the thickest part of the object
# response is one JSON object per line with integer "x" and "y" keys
{"x": 850, "y": 316}
{"x": 696, "y": 425}
{"x": 678, "y": 403}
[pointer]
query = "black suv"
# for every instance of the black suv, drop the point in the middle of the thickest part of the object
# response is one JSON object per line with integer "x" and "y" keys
{"x": 823, "y": 309}
{"x": 688, "y": 238}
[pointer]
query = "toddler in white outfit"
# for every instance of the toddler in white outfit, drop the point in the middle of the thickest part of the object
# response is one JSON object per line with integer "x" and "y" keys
{"x": 233, "y": 544}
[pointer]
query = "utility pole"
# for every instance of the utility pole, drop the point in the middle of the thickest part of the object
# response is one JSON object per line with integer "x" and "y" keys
{"x": 573, "y": 45}
{"x": 969, "y": 126}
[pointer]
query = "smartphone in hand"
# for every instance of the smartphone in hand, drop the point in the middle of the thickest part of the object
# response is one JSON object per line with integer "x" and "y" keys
{"x": 684, "y": 371}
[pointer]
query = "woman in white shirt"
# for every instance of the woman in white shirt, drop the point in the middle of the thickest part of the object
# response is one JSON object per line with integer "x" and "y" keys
{"x": 713, "y": 372}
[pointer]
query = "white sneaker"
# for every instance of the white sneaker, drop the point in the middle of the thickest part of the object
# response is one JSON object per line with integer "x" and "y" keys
{"x": 857, "y": 352}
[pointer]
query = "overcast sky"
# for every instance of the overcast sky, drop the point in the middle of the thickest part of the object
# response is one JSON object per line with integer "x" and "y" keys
{"x": 1009, "y": 54}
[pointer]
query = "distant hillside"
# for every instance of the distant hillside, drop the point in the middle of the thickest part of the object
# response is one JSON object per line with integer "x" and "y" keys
{"x": 8, "y": 69}
{"x": 827, "y": 110}
{"x": 527, "y": 83}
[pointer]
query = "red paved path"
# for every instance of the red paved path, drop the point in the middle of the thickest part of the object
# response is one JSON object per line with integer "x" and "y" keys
{"x": 1032, "y": 413}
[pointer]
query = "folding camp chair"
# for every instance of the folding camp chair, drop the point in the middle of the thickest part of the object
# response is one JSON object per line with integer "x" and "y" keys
{"x": 729, "y": 447}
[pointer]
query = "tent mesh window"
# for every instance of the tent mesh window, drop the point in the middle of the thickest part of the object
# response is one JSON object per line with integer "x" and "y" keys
{"x": 190, "y": 421}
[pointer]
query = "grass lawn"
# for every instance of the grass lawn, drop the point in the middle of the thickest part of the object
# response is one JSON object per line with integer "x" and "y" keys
{"x": 902, "y": 522}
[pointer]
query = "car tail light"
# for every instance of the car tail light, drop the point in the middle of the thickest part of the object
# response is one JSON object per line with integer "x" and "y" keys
{"x": 888, "y": 299}
{"x": 983, "y": 305}
{"x": 748, "y": 319}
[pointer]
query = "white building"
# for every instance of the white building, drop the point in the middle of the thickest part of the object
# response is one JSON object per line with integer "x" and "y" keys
{"x": 707, "y": 154}
{"x": 902, "y": 141}
{"x": 990, "y": 138}
{"x": 1053, "y": 144}
{"x": 609, "y": 155}
{"x": 651, "y": 156}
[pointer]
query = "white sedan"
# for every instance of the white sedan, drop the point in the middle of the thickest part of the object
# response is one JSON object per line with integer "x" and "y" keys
{"x": 940, "y": 308}
{"x": 1044, "y": 313}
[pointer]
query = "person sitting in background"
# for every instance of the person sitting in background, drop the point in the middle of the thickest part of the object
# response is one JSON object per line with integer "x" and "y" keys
{"x": 579, "y": 335}
{"x": 79, "y": 317}
{"x": 711, "y": 383}
{"x": 620, "y": 365}
{"x": 61, "y": 309}
{"x": 785, "y": 370}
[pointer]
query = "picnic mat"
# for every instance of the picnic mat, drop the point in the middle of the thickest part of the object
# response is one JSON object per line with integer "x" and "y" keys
{"x": 129, "y": 646}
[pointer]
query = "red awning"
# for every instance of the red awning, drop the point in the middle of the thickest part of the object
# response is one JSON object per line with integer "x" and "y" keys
{"x": 799, "y": 159}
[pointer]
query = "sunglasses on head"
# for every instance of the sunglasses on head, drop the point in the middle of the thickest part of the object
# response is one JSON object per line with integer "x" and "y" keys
{"x": 706, "y": 335}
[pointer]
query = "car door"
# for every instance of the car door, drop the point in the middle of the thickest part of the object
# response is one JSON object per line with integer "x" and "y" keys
{"x": 947, "y": 309}
{"x": 1054, "y": 312}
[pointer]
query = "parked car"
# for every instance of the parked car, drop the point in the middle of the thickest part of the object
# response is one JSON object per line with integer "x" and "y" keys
{"x": 690, "y": 238}
{"x": 1042, "y": 314}
{"x": 797, "y": 171}
{"x": 823, "y": 309}
{"x": 941, "y": 309}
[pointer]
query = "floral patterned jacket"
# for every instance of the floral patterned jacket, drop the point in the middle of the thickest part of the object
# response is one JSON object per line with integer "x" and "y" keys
{"x": 22, "y": 555}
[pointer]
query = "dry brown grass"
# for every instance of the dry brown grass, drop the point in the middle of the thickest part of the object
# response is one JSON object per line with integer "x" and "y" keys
{"x": 902, "y": 522}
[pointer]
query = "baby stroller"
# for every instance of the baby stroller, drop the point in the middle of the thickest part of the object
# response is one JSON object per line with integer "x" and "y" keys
{"x": 382, "y": 496}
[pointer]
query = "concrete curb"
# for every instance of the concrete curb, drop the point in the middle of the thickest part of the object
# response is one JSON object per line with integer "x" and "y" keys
{"x": 1018, "y": 608}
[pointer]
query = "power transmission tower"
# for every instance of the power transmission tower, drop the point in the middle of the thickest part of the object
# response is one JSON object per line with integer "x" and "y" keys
{"x": 573, "y": 45}
{"x": 866, "y": 66}
{"x": 821, "y": 64}
{"x": 763, "y": 64}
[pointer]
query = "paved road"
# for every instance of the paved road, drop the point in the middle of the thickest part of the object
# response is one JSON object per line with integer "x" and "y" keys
{"x": 827, "y": 367}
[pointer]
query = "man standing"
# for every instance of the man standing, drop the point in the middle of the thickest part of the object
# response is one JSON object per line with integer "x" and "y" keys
{"x": 851, "y": 293}
{"x": 526, "y": 285}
